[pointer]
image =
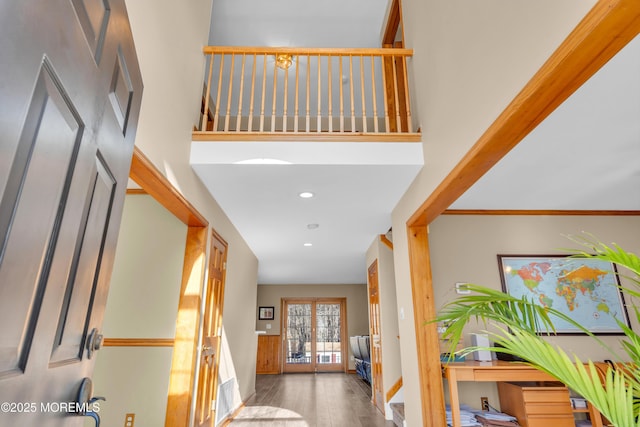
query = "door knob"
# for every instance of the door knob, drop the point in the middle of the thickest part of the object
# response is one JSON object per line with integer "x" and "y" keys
{"x": 86, "y": 402}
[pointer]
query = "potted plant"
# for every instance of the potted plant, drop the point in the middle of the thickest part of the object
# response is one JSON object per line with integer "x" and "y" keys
{"x": 516, "y": 322}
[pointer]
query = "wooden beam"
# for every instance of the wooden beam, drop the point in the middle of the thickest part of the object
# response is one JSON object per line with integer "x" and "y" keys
{"x": 539, "y": 212}
{"x": 147, "y": 176}
{"x": 431, "y": 389}
{"x": 185, "y": 353}
{"x": 138, "y": 342}
{"x": 394, "y": 21}
{"x": 307, "y": 137}
{"x": 602, "y": 33}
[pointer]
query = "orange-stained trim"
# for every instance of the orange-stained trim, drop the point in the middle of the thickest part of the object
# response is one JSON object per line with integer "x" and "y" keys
{"x": 307, "y": 137}
{"x": 136, "y": 192}
{"x": 138, "y": 342}
{"x": 431, "y": 388}
{"x": 394, "y": 22}
{"x": 183, "y": 363}
{"x": 393, "y": 390}
{"x": 606, "y": 29}
{"x": 153, "y": 182}
{"x": 538, "y": 212}
{"x": 185, "y": 353}
{"x": 386, "y": 241}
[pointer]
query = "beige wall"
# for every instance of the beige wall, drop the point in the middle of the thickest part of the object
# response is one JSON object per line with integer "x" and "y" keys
{"x": 169, "y": 37}
{"x": 470, "y": 59}
{"x": 357, "y": 305}
{"x": 465, "y": 248}
{"x": 142, "y": 303}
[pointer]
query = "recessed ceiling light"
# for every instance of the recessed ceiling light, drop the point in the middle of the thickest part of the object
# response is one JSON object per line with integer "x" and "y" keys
{"x": 312, "y": 226}
{"x": 306, "y": 194}
{"x": 308, "y": 244}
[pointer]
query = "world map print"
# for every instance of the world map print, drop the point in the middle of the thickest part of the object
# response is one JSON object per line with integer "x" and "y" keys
{"x": 586, "y": 290}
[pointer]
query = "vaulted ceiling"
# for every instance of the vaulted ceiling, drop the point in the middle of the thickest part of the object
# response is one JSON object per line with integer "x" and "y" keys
{"x": 584, "y": 156}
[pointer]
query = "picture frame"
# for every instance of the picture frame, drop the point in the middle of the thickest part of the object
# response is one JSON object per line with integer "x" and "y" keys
{"x": 585, "y": 289}
{"x": 265, "y": 313}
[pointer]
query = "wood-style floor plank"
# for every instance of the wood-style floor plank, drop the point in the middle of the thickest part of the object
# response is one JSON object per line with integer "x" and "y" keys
{"x": 310, "y": 400}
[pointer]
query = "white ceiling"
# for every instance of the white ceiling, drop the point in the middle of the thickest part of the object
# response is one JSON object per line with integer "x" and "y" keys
{"x": 573, "y": 160}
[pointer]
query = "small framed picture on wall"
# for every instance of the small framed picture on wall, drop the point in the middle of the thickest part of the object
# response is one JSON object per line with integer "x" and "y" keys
{"x": 265, "y": 313}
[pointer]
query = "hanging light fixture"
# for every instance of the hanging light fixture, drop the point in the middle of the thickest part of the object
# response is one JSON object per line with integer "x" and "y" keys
{"x": 284, "y": 61}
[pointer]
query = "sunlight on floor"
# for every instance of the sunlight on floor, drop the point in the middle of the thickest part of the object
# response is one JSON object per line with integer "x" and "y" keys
{"x": 272, "y": 414}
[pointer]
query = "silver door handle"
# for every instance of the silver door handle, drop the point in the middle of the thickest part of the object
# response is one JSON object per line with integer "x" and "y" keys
{"x": 85, "y": 402}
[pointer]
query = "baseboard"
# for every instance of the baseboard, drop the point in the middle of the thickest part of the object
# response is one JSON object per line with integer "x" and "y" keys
{"x": 235, "y": 413}
{"x": 351, "y": 371}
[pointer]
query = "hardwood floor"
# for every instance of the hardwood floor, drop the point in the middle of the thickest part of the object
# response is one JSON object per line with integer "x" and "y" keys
{"x": 310, "y": 400}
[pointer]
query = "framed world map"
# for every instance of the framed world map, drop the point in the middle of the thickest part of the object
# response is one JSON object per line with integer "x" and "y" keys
{"x": 586, "y": 290}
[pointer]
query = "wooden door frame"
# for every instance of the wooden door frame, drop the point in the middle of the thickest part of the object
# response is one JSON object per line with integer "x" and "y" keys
{"x": 601, "y": 34}
{"x": 343, "y": 333}
{"x": 185, "y": 349}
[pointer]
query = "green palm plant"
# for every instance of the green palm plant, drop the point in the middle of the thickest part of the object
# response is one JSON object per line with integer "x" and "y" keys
{"x": 515, "y": 324}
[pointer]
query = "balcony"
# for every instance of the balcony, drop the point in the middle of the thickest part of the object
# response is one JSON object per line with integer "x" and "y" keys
{"x": 313, "y": 94}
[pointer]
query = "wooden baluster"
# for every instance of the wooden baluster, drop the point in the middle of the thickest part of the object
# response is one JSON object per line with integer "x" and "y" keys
{"x": 253, "y": 88}
{"x": 353, "y": 111}
{"x": 395, "y": 95}
{"x": 216, "y": 116}
{"x": 319, "y": 125}
{"x": 330, "y": 58}
{"x": 286, "y": 96}
{"x": 406, "y": 94}
{"x": 308, "y": 124}
{"x": 264, "y": 86}
{"x": 384, "y": 90}
{"x": 295, "y": 117}
{"x": 341, "y": 97}
{"x": 239, "y": 117}
{"x": 226, "y": 119}
{"x": 373, "y": 95}
{"x": 273, "y": 104}
{"x": 364, "y": 105}
{"x": 205, "y": 114}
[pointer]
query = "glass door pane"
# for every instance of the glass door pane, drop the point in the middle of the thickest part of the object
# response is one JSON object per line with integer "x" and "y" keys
{"x": 328, "y": 336}
{"x": 298, "y": 336}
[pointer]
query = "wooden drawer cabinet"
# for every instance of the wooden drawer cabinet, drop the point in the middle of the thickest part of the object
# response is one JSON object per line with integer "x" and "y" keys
{"x": 536, "y": 406}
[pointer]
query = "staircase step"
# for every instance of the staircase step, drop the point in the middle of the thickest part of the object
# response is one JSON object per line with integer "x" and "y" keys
{"x": 398, "y": 413}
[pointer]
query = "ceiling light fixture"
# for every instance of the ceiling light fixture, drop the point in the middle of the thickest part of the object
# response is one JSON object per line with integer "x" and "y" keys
{"x": 308, "y": 244}
{"x": 284, "y": 61}
{"x": 306, "y": 194}
{"x": 312, "y": 226}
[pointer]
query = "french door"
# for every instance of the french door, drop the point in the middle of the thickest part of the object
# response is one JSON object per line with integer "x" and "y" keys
{"x": 314, "y": 331}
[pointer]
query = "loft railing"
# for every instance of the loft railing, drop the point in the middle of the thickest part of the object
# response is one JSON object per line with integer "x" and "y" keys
{"x": 323, "y": 94}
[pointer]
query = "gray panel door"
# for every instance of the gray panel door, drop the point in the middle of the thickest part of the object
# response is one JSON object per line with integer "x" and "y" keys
{"x": 70, "y": 95}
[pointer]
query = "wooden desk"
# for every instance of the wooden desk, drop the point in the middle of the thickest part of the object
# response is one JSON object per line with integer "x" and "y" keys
{"x": 494, "y": 371}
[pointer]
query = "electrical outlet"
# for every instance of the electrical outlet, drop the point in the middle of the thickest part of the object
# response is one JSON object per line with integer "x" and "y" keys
{"x": 484, "y": 403}
{"x": 129, "y": 419}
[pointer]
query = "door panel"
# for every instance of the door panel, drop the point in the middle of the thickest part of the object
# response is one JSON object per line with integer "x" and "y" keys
{"x": 375, "y": 341}
{"x": 211, "y": 334}
{"x": 328, "y": 352}
{"x": 64, "y": 163}
{"x": 298, "y": 337}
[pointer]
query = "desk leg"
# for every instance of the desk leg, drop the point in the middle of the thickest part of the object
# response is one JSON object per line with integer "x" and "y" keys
{"x": 454, "y": 401}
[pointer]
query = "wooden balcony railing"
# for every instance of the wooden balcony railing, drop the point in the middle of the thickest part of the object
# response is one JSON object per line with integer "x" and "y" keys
{"x": 324, "y": 95}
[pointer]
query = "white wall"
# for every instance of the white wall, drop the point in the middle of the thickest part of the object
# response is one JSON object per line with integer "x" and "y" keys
{"x": 169, "y": 37}
{"x": 470, "y": 60}
{"x": 142, "y": 303}
{"x": 391, "y": 364}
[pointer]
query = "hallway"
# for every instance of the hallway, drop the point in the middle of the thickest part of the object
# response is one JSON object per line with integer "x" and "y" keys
{"x": 310, "y": 400}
